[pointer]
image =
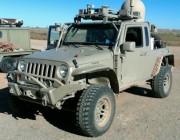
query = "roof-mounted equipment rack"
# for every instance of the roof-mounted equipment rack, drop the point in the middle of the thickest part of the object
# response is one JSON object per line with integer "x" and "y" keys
{"x": 105, "y": 13}
{"x": 91, "y": 13}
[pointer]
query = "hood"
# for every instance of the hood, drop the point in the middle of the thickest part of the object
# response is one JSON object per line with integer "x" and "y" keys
{"x": 82, "y": 55}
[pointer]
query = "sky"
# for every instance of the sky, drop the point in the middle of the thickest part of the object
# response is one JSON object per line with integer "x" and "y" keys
{"x": 165, "y": 14}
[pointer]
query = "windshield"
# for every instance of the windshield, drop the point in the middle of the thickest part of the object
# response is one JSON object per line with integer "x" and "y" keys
{"x": 92, "y": 34}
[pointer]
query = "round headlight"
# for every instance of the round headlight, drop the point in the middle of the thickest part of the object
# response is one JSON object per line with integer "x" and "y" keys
{"x": 63, "y": 70}
{"x": 22, "y": 66}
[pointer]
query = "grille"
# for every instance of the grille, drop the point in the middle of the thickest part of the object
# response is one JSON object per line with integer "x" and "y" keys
{"x": 44, "y": 70}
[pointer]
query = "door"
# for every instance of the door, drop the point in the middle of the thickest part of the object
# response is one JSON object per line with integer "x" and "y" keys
{"x": 131, "y": 61}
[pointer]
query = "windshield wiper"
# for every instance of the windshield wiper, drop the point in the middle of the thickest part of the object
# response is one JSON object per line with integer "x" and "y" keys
{"x": 98, "y": 47}
{"x": 75, "y": 46}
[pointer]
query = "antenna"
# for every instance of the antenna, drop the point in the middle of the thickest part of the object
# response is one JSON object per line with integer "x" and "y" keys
{"x": 131, "y": 5}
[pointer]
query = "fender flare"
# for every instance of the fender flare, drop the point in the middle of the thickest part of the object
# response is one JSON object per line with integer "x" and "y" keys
{"x": 168, "y": 60}
{"x": 105, "y": 72}
{"x": 163, "y": 61}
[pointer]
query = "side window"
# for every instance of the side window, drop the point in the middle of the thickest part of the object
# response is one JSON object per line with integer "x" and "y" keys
{"x": 134, "y": 34}
{"x": 146, "y": 36}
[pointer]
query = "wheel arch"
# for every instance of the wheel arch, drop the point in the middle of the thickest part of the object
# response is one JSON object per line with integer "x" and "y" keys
{"x": 106, "y": 73}
{"x": 168, "y": 60}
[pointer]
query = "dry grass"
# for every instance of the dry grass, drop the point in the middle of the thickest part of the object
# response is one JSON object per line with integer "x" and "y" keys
{"x": 172, "y": 37}
{"x": 39, "y": 33}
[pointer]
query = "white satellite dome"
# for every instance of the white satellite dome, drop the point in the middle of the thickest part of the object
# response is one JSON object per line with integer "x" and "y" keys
{"x": 135, "y": 6}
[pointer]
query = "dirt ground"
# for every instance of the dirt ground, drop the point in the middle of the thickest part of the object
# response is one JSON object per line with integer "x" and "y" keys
{"x": 139, "y": 116}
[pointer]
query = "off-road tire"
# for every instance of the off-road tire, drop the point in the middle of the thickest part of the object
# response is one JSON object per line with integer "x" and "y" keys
{"x": 95, "y": 110}
{"x": 162, "y": 83}
{"x": 8, "y": 64}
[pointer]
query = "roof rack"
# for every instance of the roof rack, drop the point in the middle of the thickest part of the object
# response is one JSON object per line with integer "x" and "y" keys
{"x": 10, "y": 22}
{"x": 105, "y": 13}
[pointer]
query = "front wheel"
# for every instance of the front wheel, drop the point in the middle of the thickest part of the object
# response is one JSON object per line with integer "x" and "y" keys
{"x": 161, "y": 84}
{"x": 95, "y": 110}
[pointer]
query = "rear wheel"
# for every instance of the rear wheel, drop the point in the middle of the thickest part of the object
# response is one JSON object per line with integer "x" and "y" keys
{"x": 95, "y": 110}
{"x": 162, "y": 82}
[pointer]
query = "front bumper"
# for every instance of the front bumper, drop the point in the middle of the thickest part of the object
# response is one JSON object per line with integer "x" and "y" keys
{"x": 38, "y": 91}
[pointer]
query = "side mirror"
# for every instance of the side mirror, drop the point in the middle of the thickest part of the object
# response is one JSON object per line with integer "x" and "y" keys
{"x": 129, "y": 46}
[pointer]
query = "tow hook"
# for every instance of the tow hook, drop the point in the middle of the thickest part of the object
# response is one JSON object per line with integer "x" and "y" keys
{"x": 44, "y": 100}
{"x": 59, "y": 105}
{"x": 29, "y": 94}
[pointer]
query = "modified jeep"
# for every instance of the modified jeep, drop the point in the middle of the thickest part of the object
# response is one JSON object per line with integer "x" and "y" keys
{"x": 92, "y": 64}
